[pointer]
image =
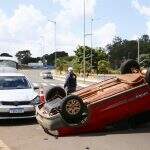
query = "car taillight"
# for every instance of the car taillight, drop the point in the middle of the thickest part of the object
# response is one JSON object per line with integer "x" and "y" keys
{"x": 54, "y": 111}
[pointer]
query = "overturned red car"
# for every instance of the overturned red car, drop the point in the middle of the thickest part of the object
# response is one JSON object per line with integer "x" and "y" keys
{"x": 93, "y": 108}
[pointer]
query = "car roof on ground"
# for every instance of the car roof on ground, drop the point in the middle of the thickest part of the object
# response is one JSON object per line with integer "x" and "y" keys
{"x": 11, "y": 74}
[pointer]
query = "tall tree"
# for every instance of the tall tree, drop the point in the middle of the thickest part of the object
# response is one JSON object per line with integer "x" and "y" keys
{"x": 97, "y": 55}
{"x": 24, "y": 56}
{"x": 121, "y": 50}
{"x": 51, "y": 58}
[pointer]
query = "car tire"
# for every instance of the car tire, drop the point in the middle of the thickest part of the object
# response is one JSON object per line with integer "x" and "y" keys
{"x": 147, "y": 76}
{"x": 46, "y": 130}
{"x": 73, "y": 116}
{"x": 55, "y": 92}
{"x": 129, "y": 65}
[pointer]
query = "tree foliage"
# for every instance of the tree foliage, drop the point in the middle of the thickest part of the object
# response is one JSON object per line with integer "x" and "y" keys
{"x": 5, "y": 55}
{"x": 24, "y": 56}
{"x": 103, "y": 67}
{"x": 121, "y": 50}
{"x": 97, "y": 55}
{"x": 61, "y": 64}
{"x": 51, "y": 58}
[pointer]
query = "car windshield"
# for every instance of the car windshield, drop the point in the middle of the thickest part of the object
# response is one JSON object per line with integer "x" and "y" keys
{"x": 13, "y": 82}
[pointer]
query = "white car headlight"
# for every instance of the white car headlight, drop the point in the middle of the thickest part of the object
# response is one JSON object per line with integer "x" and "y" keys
{"x": 36, "y": 101}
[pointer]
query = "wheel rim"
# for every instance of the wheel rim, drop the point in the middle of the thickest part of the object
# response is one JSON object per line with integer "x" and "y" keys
{"x": 134, "y": 70}
{"x": 73, "y": 107}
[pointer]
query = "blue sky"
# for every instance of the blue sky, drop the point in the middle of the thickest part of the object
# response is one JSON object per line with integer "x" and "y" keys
{"x": 24, "y": 23}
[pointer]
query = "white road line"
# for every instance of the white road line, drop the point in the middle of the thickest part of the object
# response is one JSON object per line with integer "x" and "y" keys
{"x": 52, "y": 84}
{"x": 3, "y": 146}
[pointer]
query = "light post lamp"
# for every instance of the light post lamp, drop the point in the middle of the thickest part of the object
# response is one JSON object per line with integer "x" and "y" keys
{"x": 54, "y": 22}
{"x": 92, "y": 20}
{"x": 41, "y": 43}
{"x": 42, "y": 48}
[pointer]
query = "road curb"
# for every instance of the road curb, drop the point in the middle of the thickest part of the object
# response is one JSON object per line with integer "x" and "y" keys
{"x": 78, "y": 78}
{"x": 78, "y": 82}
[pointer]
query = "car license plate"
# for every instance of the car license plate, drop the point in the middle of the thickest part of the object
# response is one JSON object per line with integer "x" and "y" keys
{"x": 16, "y": 110}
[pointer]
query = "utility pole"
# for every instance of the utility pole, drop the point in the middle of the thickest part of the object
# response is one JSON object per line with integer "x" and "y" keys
{"x": 55, "y": 43}
{"x": 92, "y": 40}
{"x": 42, "y": 45}
{"x": 91, "y": 44}
{"x": 138, "y": 41}
{"x": 84, "y": 40}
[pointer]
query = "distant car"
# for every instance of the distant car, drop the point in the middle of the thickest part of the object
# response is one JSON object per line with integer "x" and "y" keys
{"x": 17, "y": 96}
{"x": 47, "y": 75}
{"x": 97, "y": 106}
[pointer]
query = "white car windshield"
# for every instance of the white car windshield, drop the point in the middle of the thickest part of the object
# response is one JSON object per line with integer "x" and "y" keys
{"x": 13, "y": 82}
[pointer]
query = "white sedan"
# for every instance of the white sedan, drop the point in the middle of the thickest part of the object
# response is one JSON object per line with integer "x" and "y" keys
{"x": 17, "y": 97}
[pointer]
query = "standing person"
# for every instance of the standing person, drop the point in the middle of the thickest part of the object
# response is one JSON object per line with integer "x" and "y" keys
{"x": 71, "y": 81}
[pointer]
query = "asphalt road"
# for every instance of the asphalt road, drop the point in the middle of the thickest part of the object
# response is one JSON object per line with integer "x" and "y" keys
{"x": 28, "y": 135}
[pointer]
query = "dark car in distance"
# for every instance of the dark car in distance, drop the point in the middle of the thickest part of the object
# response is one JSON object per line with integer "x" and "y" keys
{"x": 47, "y": 75}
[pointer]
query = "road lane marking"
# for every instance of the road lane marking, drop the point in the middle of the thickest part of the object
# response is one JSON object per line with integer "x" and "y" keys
{"x": 3, "y": 146}
{"x": 52, "y": 84}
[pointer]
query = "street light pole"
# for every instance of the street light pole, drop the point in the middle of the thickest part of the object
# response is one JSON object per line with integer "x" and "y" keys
{"x": 54, "y": 42}
{"x": 92, "y": 40}
{"x": 138, "y": 41}
{"x": 91, "y": 43}
{"x": 84, "y": 39}
{"x": 42, "y": 45}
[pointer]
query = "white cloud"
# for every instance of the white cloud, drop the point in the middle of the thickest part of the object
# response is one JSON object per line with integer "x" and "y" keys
{"x": 74, "y": 8}
{"x": 105, "y": 34}
{"x": 135, "y": 37}
{"x": 28, "y": 28}
{"x": 3, "y": 25}
{"x": 148, "y": 27}
{"x": 71, "y": 12}
{"x": 26, "y": 22}
{"x": 22, "y": 30}
{"x": 144, "y": 10}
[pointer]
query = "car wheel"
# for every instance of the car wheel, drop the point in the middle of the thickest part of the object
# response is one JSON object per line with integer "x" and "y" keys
{"x": 147, "y": 76}
{"x": 55, "y": 92}
{"x": 130, "y": 66}
{"x": 73, "y": 110}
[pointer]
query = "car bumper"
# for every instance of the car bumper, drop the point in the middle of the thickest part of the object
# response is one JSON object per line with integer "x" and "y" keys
{"x": 28, "y": 112}
{"x": 51, "y": 123}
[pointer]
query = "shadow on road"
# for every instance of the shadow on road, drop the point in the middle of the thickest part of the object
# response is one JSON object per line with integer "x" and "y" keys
{"x": 18, "y": 122}
{"x": 137, "y": 124}
{"x": 145, "y": 128}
